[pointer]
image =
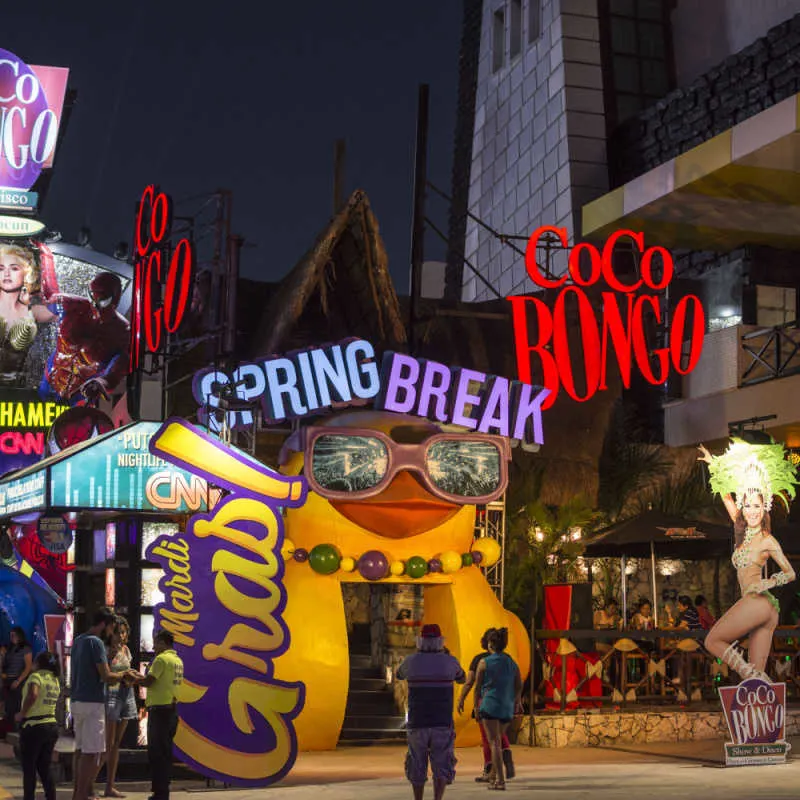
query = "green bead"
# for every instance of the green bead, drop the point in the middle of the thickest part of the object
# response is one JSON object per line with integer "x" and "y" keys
{"x": 324, "y": 559}
{"x": 416, "y": 567}
{"x": 466, "y": 560}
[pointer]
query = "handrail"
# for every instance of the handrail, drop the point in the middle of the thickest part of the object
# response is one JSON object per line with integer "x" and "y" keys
{"x": 774, "y": 353}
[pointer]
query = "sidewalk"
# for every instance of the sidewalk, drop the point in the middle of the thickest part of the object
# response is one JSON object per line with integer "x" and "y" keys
{"x": 691, "y": 769}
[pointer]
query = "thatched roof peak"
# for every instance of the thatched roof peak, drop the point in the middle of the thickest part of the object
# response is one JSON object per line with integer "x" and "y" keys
{"x": 344, "y": 277}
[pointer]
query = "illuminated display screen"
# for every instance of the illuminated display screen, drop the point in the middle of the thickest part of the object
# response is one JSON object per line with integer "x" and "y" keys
{"x": 23, "y": 494}
{"x": 63, "y": 336}
{"x": 152, "y": 530}
{"x": 119, "y": 472}
{"x": 151, "y": 595}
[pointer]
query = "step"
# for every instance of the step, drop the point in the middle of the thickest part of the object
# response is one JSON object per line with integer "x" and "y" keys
{"x": 366, "y": 672}
{"x": 390, "y": 724}
{"x": 368, "y": 685}
{"x": 394, "y": 742}
{"x": 377, "y": 704}
{"x": 361, "y": 660}
{"x": 376, "y": 735}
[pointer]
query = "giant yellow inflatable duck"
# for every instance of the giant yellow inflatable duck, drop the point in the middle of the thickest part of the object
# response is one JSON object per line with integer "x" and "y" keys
{"x": 411, "y": 527}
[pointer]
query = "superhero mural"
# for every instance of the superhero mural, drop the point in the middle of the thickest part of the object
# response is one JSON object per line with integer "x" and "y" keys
{"x": 46, "y": 550}
{"x": 60, "y": 331}
{"x": 25, "y": 597}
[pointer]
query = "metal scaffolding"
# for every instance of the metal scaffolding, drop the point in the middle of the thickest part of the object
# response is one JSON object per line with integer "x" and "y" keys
{"x": 490, "y": 520}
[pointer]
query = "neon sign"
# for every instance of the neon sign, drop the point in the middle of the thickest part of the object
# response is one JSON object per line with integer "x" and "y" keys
{"x": 347, "y": 374}
{"x": 23, "y": 430}
{"x": 160, "y": 291}
{"x": 622, "y": 330}
{"x": 31, "y": 101}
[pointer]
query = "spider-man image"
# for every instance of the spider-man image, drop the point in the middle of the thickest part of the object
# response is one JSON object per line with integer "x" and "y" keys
{"x": 91, "y": 355}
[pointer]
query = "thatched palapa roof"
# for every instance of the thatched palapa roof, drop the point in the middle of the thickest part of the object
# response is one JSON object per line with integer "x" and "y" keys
{"x": 341, "y": 287}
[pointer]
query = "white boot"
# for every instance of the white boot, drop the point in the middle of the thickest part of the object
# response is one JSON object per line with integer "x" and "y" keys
{"x": 736, "y": 661}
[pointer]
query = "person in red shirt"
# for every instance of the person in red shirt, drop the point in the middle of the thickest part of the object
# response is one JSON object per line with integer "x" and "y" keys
{"x": 707, "y": 619}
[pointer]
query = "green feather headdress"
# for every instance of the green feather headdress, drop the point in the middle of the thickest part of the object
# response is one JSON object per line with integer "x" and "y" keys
{"x": 745, "y": 469}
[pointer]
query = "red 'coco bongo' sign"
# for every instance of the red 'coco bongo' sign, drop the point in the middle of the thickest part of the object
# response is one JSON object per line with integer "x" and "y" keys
{"x": 162, "y": 276}
{"x": 627, "y": 310}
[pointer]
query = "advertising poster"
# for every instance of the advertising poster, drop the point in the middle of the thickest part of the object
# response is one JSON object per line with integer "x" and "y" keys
{"x": 756, "y": 715}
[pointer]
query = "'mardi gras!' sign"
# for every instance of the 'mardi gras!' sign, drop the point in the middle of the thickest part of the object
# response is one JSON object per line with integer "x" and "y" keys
{"x": 235, "y": 719}
{"x": 756, "y": 715}
{"x": 346, "y": 374}
{"x": 629, "y": 309}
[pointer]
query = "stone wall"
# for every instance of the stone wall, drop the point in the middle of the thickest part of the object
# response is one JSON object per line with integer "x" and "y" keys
{"x": 692, "y": 578}
{"x": 595, "y": 729}
{"x": 760, "y": 75}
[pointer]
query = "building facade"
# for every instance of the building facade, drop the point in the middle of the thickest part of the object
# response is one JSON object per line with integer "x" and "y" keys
{"x": 678, "y": 119}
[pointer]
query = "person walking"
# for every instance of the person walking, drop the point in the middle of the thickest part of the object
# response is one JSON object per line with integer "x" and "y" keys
{"x": 120, "y": 703}
{"x": 89, "y": 676}
{"x": 498, "y": 683}
{"x": 162, "y": 681}
{"x": 18, "y": 664}
{"x": 39, "y": 730}
{"x": 430, "y": 673}
{"x": 508, "y": 759}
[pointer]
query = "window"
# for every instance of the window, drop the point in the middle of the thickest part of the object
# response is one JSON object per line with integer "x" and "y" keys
{"x": 515, "y": 47}
{"x": 634, "y": 35}
{"x": 498, "y": 39}
{"x": 777, "y": 305}
{"x": 534, "y": 20}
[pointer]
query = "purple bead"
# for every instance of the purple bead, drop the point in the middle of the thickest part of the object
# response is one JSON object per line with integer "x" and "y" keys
{"x": 301, "y": 554}
{"x": 477, "y": 557}
{"x": 373, "y": 566}
{"x": 434, "y": 565}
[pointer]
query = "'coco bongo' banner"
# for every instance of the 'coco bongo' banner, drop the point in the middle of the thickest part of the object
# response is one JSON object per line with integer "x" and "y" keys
{"x": 756, "y": 715}
{"x": 235, "y": 718}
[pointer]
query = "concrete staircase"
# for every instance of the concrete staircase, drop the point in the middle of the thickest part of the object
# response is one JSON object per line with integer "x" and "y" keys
{"x": 370, "y": 716}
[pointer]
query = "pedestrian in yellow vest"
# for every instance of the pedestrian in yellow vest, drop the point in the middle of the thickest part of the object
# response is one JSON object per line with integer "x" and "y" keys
{"x": 39, "y": 730}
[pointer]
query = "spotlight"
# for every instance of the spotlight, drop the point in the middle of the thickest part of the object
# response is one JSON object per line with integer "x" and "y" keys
{"x": 51, "y": 237}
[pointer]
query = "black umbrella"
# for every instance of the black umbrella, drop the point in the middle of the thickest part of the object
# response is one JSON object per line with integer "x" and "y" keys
{"x": 671, "y": 535}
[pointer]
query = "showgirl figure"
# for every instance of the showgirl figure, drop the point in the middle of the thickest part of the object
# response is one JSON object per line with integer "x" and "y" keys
{"x": 753, "y": 474}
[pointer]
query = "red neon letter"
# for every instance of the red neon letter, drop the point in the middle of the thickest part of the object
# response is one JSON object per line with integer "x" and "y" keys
{"x": 575, "y": 264}
{"x": 647, "y": 268}
{"x": 640, "y": 348}
{"x": 544, "y": 326}
{"x": 145, "y": 202}
{"x": 590, "y": 341}
{"x": 533, "y": 267}
{"x": 180, "y": 265}
{"x": 608, "y": 265}
{"x": 152, "y": 319}
{"x": 677, "y": 334}
{"x": 620, "y": 333}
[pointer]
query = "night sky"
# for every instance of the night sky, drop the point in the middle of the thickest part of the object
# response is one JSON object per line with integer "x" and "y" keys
{"x": 248, "y": 97}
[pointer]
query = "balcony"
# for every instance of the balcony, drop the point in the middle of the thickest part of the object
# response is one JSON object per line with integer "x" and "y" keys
{"x": 744, "y": 372}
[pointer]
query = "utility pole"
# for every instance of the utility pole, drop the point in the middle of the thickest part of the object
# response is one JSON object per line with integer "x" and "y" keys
{"x": 418, "y": 214}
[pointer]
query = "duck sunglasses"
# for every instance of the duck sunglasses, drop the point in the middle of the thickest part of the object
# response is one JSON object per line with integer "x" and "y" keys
{"x": 358, "y": 463}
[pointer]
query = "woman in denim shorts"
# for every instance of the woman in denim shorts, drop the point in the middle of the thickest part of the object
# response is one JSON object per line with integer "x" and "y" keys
{"x": 120, "y": 704}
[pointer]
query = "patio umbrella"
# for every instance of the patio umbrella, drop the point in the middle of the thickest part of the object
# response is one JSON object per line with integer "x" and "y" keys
{"x": 670, "y": 535}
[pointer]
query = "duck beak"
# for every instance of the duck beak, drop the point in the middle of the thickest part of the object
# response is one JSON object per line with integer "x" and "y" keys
{"x": 403, "y": 509}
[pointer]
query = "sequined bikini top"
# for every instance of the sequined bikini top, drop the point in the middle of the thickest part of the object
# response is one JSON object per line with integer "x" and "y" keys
{"x": 20, "y": 334}
{"x": 744, "y": 555}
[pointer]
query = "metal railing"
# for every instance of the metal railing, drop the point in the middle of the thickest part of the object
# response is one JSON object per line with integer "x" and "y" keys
{"x": 772, "y": 352}
{"x": 653, "y": 667}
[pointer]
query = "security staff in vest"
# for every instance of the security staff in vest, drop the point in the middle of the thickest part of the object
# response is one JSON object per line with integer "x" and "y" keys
{"x": 162, "y": 681}
{"x": 39, "y": 731}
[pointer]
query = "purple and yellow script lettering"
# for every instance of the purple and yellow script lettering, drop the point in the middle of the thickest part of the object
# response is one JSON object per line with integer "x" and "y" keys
{"x": 223, "y": 601}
